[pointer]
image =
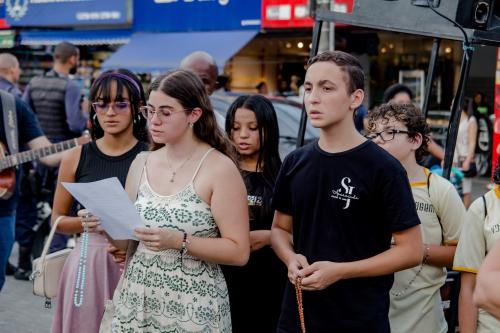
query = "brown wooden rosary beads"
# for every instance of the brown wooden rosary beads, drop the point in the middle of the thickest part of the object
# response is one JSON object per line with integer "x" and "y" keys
{"x": 298, "y": 293}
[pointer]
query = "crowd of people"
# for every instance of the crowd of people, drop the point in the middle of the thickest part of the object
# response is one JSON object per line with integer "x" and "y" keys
{"x": 350, "y": 233}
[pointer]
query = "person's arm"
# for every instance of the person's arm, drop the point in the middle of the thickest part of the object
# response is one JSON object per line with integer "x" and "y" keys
{"x": 467, "y": 311}
{"x": 487, "y": 291}
{"x": 406, "y": 252}
{"x": 470, "y": 253}
{"x": 75, "y": 117}
{"x": 62, "y": 198}
{"x": 233, "y": 246}
{"x": 281, "y": 240}
{"x": 50, "y": 160}
{"x": 435, "y": 150}
{"x": 259, "y": 239}
{"x": 30, "y": 132}
{"x": 451, "y": 213}
{"x": 472, "y": 138}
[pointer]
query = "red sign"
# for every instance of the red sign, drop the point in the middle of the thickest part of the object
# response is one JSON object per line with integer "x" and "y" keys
{"x": 294, "y": 13}
{"x": 496, "y": 125}
{"x": 3, "y": 24}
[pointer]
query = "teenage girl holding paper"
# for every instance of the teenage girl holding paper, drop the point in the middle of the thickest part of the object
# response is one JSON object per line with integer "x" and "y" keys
{"x": 90, "y": 274}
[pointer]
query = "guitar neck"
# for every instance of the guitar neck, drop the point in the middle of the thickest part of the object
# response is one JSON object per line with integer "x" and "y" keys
{"x": 31, "y": 155}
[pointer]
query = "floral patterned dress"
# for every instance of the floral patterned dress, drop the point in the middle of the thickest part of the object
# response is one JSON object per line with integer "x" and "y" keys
{"x": 164, "y": 291}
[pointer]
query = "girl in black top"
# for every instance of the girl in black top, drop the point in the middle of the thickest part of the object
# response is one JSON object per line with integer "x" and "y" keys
{"x": 255, "y": 290}
{"x": 120, "y": 134}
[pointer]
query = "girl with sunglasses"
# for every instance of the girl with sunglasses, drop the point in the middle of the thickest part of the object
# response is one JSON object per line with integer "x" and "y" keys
{"x": 120, "y": 134}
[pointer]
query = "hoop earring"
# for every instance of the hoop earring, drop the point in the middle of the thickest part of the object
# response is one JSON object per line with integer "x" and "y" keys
{"x": 94, "y": 120}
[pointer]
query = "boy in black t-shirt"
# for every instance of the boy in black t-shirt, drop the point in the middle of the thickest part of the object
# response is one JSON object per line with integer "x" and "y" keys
{"x": 342, "y": 198}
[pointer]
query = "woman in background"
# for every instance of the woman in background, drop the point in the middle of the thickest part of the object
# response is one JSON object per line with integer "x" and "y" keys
{"x": 253, "y": 126}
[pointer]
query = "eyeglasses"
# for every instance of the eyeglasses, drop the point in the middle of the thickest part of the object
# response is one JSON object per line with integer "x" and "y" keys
{"x": 386, "y": 135}
{"x": 118, "y": 107}
{"x": 162, "y": 113}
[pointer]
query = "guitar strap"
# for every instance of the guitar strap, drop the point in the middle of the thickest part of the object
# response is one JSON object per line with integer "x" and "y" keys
{"x": 10, "y": 121}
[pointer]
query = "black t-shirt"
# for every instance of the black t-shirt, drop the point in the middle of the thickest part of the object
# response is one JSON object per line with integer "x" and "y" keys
{"x": 345, "y": 207}
{"x": 263, "y": 278}
{"x": 28, "y": 129}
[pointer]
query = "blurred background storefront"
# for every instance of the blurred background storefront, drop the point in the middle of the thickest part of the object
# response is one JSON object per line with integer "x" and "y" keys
{"x": 252, "y": 41}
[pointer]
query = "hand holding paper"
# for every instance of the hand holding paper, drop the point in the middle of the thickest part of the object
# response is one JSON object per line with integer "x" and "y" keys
{"x": 108, "y": 200}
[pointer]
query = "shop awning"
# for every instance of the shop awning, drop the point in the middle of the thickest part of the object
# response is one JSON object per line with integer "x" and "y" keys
{"x": 77, "y": 37}
{"x": 159, "y": 52}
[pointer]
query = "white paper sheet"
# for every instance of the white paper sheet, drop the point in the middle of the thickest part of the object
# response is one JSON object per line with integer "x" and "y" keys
{"x": 108, "y": 200}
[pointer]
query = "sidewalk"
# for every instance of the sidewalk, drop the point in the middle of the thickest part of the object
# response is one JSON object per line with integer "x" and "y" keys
{"x": 20, "y": 310}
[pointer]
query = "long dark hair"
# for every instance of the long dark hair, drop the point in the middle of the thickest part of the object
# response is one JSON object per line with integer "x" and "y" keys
{"x": 269, "y": 160}
{"x": 190, "y": 92}
{"x": 101, "y": 88}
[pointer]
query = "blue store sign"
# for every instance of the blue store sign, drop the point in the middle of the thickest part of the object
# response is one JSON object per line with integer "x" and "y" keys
{"x": 196, "y": 15}
{"x": 60, "y": 13}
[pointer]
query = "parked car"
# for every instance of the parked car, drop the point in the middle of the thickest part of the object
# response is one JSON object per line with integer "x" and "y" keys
{"x": 288, "y": 113}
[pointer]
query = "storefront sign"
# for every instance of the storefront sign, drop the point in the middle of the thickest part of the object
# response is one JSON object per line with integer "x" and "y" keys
{"x": 60, "y": 13}
{"x": 3, "y": 23}
{"x": 496, "y": 125}
{"x": 196, "y": 15}
{"x": 7, "y": 39}
{"x": 294, "y": 13}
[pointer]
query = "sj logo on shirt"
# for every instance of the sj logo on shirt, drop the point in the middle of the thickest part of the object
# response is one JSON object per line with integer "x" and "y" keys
{"x": 345, "y": 192}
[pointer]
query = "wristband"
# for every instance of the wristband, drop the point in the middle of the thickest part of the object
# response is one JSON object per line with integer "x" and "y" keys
{"x": 184, "y": 244}
{"x": 426, "y": 254}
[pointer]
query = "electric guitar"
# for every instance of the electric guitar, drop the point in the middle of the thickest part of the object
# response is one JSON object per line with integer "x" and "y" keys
{"x": 9, "y": 162}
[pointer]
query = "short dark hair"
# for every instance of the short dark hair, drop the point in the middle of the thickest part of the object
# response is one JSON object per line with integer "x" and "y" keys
{"x": 395, "y": 89}
{"x": 410, "y": 116}
{"x": 355, "y": 78}
{"x": 64, "y": 51}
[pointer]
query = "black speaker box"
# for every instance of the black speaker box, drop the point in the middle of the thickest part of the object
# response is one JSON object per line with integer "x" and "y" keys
{"x": 479, "y": 14}
{"x": 480, "y": 18}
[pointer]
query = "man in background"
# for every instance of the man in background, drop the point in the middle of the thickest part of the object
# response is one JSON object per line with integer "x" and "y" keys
{"x": 203, "y": 64}
{"x": 57, "y": 103}
{"x": 9, "y": 74}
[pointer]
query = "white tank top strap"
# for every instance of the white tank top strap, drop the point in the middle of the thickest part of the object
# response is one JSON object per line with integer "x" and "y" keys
{"x": 201, "y": 162}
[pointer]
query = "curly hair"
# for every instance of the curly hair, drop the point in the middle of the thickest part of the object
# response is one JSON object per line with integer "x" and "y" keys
{"x": 407, "y": 114}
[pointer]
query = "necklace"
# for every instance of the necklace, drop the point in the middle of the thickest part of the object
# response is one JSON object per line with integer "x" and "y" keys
{"x": 81, "y": 274}
{"x": 174, "y": 172}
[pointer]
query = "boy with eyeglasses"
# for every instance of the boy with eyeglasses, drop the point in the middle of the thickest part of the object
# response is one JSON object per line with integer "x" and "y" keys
{"x": 341, "y": 199}
{"x": 402, "y": 131}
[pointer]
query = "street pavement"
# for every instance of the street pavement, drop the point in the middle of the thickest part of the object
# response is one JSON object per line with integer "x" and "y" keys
{"x": 22, "y": 312}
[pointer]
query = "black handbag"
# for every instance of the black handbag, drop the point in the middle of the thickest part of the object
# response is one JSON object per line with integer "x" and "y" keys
{"x": 472, "y": 172}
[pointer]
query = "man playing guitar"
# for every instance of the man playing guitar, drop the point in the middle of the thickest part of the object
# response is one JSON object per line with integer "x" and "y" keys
{"x": 30, "y": 134}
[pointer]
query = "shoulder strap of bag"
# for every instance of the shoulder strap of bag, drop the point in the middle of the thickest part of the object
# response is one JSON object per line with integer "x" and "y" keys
{"x": 435, "y": 210}
{"x": 485, "y": 206}
{"x": 134, "y": 180}
{"x": 10, "y": 121}
{"x": 49, "y": 240}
